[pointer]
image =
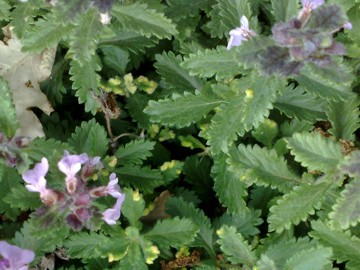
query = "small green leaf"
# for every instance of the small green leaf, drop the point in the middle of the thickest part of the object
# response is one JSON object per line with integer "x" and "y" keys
{"x": 41, "y": 147}
{"x": 179, "y": 9}
{"x": 284, "y": 10}
{"x": 90, "y": 138}
{"x": 134, "y": 152}
{"x": 116, "y": 58}
{"x": 315, "y": 152}
{"x": 20, "y": 197}
{"x": 85, "y": 245}
{"x": 266, "y": 132}
{"x": 4, "y": 9}
{"x": 235, "y": 247}
{"x": 315, "y": 259}
{"x": 8, "y": 118}
{"x": 133, "y": 207}
{"x": 296, "y": 206}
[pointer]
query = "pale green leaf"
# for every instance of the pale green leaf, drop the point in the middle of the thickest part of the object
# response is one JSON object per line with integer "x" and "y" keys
{"x": 351, "y": 164}
{"x": 296, "y": 206}
{"x": 346, "y": 211}
{"x": 265, "y": 263}
{"x": 90, "y": 138}
{"x": 315, "y": 151}
{"x": 134, "y": 259}
{"x": 344, "y": 118}
{"x": 354, "y": 18}
{"x": 235, "y": 247}
{"x": 139, "y": 18}
{"x": 4, "y": 9}
{"x": 173, "y": 232}
{"x": 242, "y": 113}
{"x": 133, "y": 207}
{"x": 85, "y": 245}
{"x": 284, "y": 10}
{"x": 134, "y": 152}
{"x": 86, "y": 81}
{"x": 315, "y": 259}
{"x": 168, "y": 66}
{"x": 8, "y": 118}
{"x": 229, "y": 189}
{"x": 345, "y": 247}
{"x": 182, "y": 110}
{"x": 296, "y": 103}
{"x": 261, "y": 166}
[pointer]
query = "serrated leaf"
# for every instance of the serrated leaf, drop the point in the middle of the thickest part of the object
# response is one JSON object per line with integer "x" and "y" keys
{"x": 287, "y": 129}
{"x": 168, "y": 66}
{"x": 266, "y": 132}
{"x": 315, "y": 259}
{"x": 344, "y": 118}
{"x": 296, "y": 103}
{"x": 139, "y": 18}
{"x": 230, "y": 190}
{"x": 10, "y": 179}
{"x": 328, "y": 18}
{"x": 331, "y": 83}
{"x": 346, "y": 211}
{"x": 345, "y": 247}
{"x": 8, "y": 118}
{"x": 284, "y": 10}
{"x": 265, "y": 263}
{"x": 315, "y": 152}
{"x": 20, "y": 197}
{"x": 351, "y": 164}
{"x": 226, "y": 14}
{"x": 354, "y": 18}
{"x": 90, "y": 138}
{"x": 220, "y": 62}
{"x": 173, "y": 232}
{"x": 134, "y": 152}
{"x": 83, "y": 42}
{"x": 85, "y": 80}
{"x": 182, "y": 110}
{"x": 4, "y": 10}
{"x": 41, "y": 147}
{"x": 133, "y": 207}
{"x": 178, "y": 9}
{"x": 261, "y": 166}
{"x": 235, "y": 247}
{"x": 296, "y": 206}
{"x": 85, "y": 245}
{"x": 116, "y": 58}
{"x": 242, "y": 113}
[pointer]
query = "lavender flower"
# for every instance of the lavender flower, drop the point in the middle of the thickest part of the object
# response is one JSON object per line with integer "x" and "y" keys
{"x": 308, "y": 6}
{"x": 14, "y": 258}
{"x": 240, "y": 34}
{"x": 112, "y": 214}
{"x": 112, "y": 188}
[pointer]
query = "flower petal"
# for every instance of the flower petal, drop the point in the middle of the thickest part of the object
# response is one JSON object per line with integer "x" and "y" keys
{"x": 16, "y": 256}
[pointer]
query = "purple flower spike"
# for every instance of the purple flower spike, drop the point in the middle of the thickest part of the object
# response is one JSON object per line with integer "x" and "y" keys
{"x": 240, "y": 34}
{"x": 70, "y": 165}
{"x": 111, "y": 215}
{"x": 14, "y": 258}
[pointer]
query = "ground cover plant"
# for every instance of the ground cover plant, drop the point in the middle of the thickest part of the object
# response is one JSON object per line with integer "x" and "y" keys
{"x": 179, "y": 134}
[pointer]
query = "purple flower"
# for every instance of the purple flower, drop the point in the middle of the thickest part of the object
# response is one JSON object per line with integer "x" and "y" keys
{"x": 311, "y": 4}
{"x": 70, "y": 165}
{"x": 113, "y": 189}
{"x": 348, "y": 25}
{"x": 14, "y": 258}
{"x": 90, "y": 166}
{"x": 37, "y": 182}
{"x": 240, "y": 34}
{"x": 112, "y": 214}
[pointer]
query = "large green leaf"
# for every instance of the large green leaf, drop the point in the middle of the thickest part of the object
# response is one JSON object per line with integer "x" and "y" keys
{"x": 344, "y": 118}
{"x": 347, "y": 208}
{"x": 242, "y": 113}
{"x": 296, "y": 206}
{"x": 316, "y": 259}
{"x": 284, "y": 10}
{"x": 139, "y": 18}
{"x": 235, "y": 247}
{"x": 315, "y": 152}
{"x": 261, "y": 166}
{"x": 182, "y": 110}
{"x": 8, "y": 119}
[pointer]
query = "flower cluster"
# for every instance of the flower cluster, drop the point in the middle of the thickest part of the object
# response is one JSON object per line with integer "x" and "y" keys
{"x": 14, "y": 258}
{"x": 76, "y": 199}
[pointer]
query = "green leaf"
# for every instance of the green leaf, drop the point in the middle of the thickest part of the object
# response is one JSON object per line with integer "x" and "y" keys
{"x": 354, "y": 18}
{"x": 330, "y": 83}
{"x": 345, "y": 247}
{"x": 86, "y": 81}
{"x": 295, "y": 103}
{"x": 134, "y": 152}
{"x": 133, "y": 207}
{"x": 287, "y": 129}
{"x": 266, "y": 132}
{"x": 351, "y": 164}
{"x": 10, "y": 179}
{"x": 220, "y": 62}
{"x": 296, "y": 206}
{"x": 242, "y": 113}
{"x": 173, "y": 232}
{"x": 235, "y": 247}
{"x": 229, "y": 189}
{"x": 284, "y": 10}
{"x": 265, "y": 263}
{"x": 85, "y": 245}
{"x": 4, "y": 9}
{"x": 328, "y": 18}
{"x": 226, "y": 14}
{"x": 346, "y": 211}
{"x": 116, "y": 58}
{"x": 140, "y": 19}
{"x": 8, "y": 118}
{"x": 315, "y": 258}
{"x": 41, "y": 147}
{"x": 315, "y": 152}
{"x": 344, "y": 118}
{"x": 261, "y": 166}
{"x": 136, "y": 105}
{"x": 204, "y": 238}
{"x": 168, "y": 66}
{"x": 90, "y": 138}
{"x": 20, "y": 197}
{"x": 84, "y": 40}
{"x": 182, "y": 110}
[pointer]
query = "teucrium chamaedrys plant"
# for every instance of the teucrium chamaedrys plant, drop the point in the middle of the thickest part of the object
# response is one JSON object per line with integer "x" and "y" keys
{"x": 230, "y": 125}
